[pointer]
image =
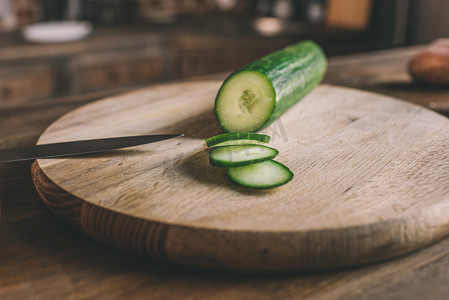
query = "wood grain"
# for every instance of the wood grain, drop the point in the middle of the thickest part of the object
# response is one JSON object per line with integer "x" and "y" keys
{"x": 371, "y": 182}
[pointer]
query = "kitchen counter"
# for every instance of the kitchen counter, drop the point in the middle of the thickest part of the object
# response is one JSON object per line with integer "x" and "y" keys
{"x": 43, "y": 258}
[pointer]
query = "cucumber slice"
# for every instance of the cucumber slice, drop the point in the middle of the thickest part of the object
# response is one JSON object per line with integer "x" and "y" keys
{"x": 242, "y": 155}
{"x": 262, "y": 175}
{"x": 237, "y": 138}
{"x": 258, "y": 94}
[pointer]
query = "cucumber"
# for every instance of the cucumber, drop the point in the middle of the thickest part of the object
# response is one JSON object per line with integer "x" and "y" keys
{"x": 256, "y": 95}
{"x": 241, "y": 155}
{"x": 237, "y": 138}
{"x": 262, "y": 175}
{"x": 247, "y": 163}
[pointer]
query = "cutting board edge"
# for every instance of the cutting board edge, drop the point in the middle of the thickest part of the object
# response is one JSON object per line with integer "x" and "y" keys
{"x": 176, "y": 243}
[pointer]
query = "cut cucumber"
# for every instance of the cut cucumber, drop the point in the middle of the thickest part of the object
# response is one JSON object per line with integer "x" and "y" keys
{"x": 242, "y": 155}
{"x": 258, "y": 94}
{"x": 262, "y": 175}
{"x": 237, "y": 138}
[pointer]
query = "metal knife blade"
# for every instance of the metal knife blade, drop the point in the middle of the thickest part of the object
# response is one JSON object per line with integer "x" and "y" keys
{"x": 78, "y": 147}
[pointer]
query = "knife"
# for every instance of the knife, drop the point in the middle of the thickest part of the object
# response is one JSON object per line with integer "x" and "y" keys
{"x": 78, "y": 147}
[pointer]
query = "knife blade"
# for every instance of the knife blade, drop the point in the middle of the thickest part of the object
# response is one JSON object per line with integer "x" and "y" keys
{"x": 78, "y": 147}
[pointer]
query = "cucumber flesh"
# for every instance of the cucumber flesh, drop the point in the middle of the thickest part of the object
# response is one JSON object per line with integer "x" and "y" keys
{"x": 237, "y": 138}
{"x": 262, "y": 175}
{"x": 245, "y": 102}
{"x": 242, "y": 155}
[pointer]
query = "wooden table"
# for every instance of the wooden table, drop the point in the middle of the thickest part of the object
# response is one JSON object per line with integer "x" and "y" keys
{"x": 43, "y": 258}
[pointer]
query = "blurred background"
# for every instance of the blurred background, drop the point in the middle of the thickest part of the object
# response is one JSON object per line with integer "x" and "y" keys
{"x": 139, "y": 42}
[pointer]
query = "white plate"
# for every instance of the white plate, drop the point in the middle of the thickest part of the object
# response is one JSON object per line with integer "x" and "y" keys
{"x": 57, "y": 32}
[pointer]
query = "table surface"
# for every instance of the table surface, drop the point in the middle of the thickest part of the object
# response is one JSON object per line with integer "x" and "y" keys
{"x": 43, "y": 258}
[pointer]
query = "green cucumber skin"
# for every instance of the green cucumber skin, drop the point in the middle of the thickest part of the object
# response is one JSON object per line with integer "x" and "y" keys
{"x": 293, "y": 71}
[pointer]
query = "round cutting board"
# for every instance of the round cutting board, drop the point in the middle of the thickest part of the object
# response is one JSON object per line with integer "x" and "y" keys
{"x": 371, "y": 181}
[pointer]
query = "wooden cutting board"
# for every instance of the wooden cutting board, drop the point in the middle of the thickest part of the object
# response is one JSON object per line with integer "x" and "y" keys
{"x": 371, "y": 181}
